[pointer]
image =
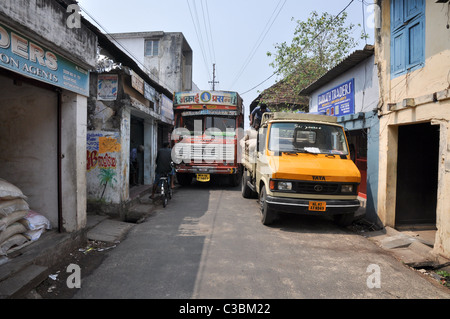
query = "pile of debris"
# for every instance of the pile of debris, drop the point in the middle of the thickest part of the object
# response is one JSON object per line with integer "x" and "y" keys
{"x": 19, "y": 226}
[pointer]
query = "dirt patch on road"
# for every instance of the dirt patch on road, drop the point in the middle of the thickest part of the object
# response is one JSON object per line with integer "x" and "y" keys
{"x": 88, "y": 258}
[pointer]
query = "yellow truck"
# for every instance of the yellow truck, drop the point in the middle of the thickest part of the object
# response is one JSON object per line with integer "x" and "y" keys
{"x": 300, "y": 163}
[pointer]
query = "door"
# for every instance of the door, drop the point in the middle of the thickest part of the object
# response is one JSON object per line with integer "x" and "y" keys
{"x": 417, "y": 174}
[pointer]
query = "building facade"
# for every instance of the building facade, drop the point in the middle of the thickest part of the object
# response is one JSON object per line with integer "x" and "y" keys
{"x": 165, "y": 56}
{"x": 413, "y": 59}
{"x": 126, "y": 110}
{"x": 44, "y": 83}
{"x": 350, "y": 92}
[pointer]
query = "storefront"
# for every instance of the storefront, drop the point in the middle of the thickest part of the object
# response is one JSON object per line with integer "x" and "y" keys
{"x": 43, "y": 107}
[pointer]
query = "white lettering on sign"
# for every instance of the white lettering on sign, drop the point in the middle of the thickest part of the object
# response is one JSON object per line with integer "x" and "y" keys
{"x": 27, "y": 50}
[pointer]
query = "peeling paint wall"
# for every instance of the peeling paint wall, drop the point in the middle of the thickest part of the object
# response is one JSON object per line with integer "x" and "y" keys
{"x": 54, "y": 32}
{"x": 419, "y": 96}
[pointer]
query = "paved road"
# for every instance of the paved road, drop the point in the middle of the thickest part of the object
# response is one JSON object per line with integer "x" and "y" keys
{"x": 209, "y": 243}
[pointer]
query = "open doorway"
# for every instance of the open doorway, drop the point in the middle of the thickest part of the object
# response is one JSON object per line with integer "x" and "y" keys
{"x": 417, "y": 175}
{"x": 136, "y": 151}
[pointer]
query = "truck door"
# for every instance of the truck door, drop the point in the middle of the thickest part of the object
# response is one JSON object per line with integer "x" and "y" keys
{"x": 261, "y": 159}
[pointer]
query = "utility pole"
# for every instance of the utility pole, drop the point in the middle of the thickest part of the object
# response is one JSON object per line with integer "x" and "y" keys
{"x": 214, "y": 78}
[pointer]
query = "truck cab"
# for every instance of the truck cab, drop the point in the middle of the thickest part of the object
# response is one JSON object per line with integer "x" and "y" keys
{"x": 300, "y": 163}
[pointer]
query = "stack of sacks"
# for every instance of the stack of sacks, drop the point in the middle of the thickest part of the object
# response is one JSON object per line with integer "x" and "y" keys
{"x": 17, "y": 222}
{"x": 251, "y": 138}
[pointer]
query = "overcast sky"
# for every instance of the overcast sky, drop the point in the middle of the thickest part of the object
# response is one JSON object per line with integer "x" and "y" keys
{"x": 233, "y": 34}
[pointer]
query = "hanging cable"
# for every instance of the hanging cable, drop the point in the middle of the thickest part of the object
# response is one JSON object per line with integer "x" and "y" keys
{"x": 123, "y": 47}
{"x": 306, "y": 45}
{"x": 199, "y": 38}
{"x": 259, "y": 41}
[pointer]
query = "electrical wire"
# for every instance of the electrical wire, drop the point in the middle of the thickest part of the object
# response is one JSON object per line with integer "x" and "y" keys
{"x": 199, "y": 36}
{"x": 122, "y": 46}
{"x": 259, "y": 41}
{"x": 306, "y": 45}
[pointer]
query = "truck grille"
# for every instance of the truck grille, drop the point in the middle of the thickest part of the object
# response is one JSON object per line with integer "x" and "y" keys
{"x": 205, "y": 152}
{"x": 316, "y": 188}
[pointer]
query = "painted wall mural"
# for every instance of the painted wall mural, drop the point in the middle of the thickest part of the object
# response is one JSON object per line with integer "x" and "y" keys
{"x": 103, "y": 151}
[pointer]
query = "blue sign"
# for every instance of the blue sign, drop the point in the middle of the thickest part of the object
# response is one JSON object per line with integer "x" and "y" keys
{"x": 338, "y": 101}
{"x": 30, "y": 59}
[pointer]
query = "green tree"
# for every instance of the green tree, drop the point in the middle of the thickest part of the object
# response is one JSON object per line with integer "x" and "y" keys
{"x": 319, "y": 43}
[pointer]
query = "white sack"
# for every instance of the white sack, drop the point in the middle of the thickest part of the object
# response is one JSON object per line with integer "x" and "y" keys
{"x": 9, "y": 191}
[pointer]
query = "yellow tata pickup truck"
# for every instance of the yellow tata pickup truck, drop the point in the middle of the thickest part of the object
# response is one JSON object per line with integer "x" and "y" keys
{"x": 300, "y": 163}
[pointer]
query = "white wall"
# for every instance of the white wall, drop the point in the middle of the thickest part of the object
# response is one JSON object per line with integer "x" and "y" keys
{"x": 366, "y": 86}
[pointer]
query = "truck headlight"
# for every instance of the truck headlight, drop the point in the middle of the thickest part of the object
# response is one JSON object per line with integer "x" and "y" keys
{"x": 347, "y": 188}
{"x": 284, "y": 186}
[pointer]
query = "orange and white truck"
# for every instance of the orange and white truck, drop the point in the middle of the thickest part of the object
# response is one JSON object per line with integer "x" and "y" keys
{"x": 206, "y": 134}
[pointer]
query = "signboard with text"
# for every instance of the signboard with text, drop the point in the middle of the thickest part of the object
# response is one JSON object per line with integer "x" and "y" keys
{"x": 338, "y": 101}
{"x": 21, "y": 55}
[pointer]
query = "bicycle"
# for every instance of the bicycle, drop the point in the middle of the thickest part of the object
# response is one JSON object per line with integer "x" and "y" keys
{"x": 165, "y": 191}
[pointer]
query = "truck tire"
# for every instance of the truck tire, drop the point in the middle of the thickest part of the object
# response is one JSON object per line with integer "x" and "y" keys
{"x": 235, "y": 179}
{"x": 267, "y": 215}
{"x": 246, "y": 190}
{"x": 184, "y": 179}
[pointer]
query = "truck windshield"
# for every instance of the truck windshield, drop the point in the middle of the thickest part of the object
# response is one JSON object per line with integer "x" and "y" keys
{"x": 210, "y": 125}
{"x": 307, "y": 138}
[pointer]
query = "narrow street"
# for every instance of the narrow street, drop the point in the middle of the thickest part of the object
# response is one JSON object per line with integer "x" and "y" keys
{"x": 209, "y": 243}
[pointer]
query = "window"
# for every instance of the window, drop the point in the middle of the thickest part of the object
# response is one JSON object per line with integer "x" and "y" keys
{"x": 307, "y": 138}
{"x": 407, "y": 36}
{"x": 151, "y": 48}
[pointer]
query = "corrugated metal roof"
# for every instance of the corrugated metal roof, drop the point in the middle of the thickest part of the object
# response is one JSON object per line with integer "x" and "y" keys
{"x": 352, "y": 60}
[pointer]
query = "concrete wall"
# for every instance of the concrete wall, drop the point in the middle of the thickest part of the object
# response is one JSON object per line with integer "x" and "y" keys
{"x": 428, "y": 86}
{"x": 172, "y": 68}
{"x": 73, "y": 162}
{"x": 48, "y": 22}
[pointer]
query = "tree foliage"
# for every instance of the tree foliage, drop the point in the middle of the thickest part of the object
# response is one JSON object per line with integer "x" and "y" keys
{"x": 319, "y": 43}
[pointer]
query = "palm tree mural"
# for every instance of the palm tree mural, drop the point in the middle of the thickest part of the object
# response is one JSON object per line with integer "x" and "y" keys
{"x": 106, "y": 176}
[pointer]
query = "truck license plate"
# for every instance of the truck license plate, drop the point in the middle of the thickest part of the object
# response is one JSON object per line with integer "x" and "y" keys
{"x": 203, "y": 177}
{"x": 317, "y": 206}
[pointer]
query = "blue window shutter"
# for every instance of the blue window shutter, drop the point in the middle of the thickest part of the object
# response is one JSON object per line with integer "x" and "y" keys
{"x": 416, "y": 45}
{"x": 412, "y": 8}
{"x": 398, "y": 52}
{"x": 396, "y": 14}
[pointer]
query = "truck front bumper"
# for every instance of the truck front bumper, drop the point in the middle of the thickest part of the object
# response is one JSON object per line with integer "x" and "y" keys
{"x": 302, "y": 206}
{"x": 208, "y": 169}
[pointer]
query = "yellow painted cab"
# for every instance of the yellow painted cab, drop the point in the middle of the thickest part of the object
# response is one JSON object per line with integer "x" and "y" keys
{"x": 300, "y": 163}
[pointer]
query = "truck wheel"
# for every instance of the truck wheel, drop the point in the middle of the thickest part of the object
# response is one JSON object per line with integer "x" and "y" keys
{"x": 184, "y": 179}
{"x": 235, "y": 179}
{"x": 246, "y": 191}
{"x": 267, "y": 215}
{"x": 344, "y": 219}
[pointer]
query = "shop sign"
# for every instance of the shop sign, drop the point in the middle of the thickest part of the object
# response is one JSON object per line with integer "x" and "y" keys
{"x": 137, "y": 82}
{"x": 167, "y": 108}
{"x": 338, "y": 101}
{"x": 107, "y": 87}
{"x": 23, "y": 56}
{"x": 206, "y": 97}
{"x": 149, "y": 92}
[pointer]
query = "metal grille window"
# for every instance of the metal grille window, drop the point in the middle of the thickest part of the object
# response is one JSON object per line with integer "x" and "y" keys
{"x": 151, "y": 47}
